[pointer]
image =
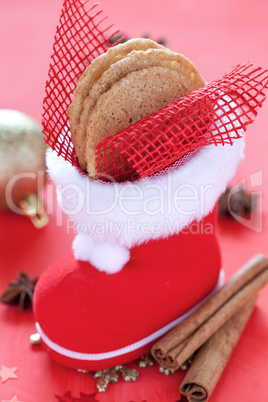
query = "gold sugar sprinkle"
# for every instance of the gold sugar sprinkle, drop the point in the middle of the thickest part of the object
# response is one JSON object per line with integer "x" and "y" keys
{"x": 146, "y": 361}
{"x": 166, "y": 371}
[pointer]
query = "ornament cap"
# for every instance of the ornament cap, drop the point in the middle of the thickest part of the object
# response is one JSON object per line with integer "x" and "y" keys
{"x": 34, "y": 208}
{"x": 35, "y": 339}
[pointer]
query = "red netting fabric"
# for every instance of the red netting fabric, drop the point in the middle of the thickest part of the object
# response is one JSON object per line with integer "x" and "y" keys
{"x": 219, "y": 113}
{"x": 83, "y": 33}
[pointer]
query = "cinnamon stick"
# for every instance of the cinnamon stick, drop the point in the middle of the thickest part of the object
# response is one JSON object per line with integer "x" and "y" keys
{"x": 181, "y": 342}
{"x": 212, "y": 357}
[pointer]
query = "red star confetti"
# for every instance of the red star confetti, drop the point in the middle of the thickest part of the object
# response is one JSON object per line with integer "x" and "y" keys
{"x": 67, "y": 397}
{"x": 87, "y": 398}
{"x": 14, "y": 399}
{"x": 7, "y": 373}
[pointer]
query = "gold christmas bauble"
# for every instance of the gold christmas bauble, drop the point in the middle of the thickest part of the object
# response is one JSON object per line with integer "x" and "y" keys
{"x": 22, "y": 158}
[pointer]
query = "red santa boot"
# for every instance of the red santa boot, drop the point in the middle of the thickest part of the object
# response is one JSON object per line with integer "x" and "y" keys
{"x": 146, "y": 253}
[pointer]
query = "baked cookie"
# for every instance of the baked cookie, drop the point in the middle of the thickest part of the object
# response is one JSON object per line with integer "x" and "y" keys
{"x": 112, "y": 95}
{"x": 91, "y": 74}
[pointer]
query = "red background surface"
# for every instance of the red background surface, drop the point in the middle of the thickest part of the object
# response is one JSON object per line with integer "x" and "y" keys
{"x": 215, "y": 35}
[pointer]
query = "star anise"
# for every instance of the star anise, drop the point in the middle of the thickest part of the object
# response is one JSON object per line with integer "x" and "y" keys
{"x": 161, "y": 41}
{"x": 20, "y": 292}
{"x": 239, "y": 203}
{"x": 123, "y": 38}
{"x": 67, "y": 397}
{"x": 118, "y": 38}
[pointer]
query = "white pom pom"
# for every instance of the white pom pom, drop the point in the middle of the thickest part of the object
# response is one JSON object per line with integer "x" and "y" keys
{"x": 106, "y": 257}
{"x": 82, "y": 247}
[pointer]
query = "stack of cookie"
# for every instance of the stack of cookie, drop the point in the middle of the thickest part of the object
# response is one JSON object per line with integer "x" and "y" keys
{"x": 128, "y": 82}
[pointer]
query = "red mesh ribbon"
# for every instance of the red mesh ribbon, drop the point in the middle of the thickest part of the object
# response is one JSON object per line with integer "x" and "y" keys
{"x": 219, "y": 113}
{"x": 83, "y": 33}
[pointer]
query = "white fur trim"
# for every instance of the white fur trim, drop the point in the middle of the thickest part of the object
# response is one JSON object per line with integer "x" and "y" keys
{"x": 127, "y": 349}
{"x": 106, "y": 257}
{"x": 131, "y": 213}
